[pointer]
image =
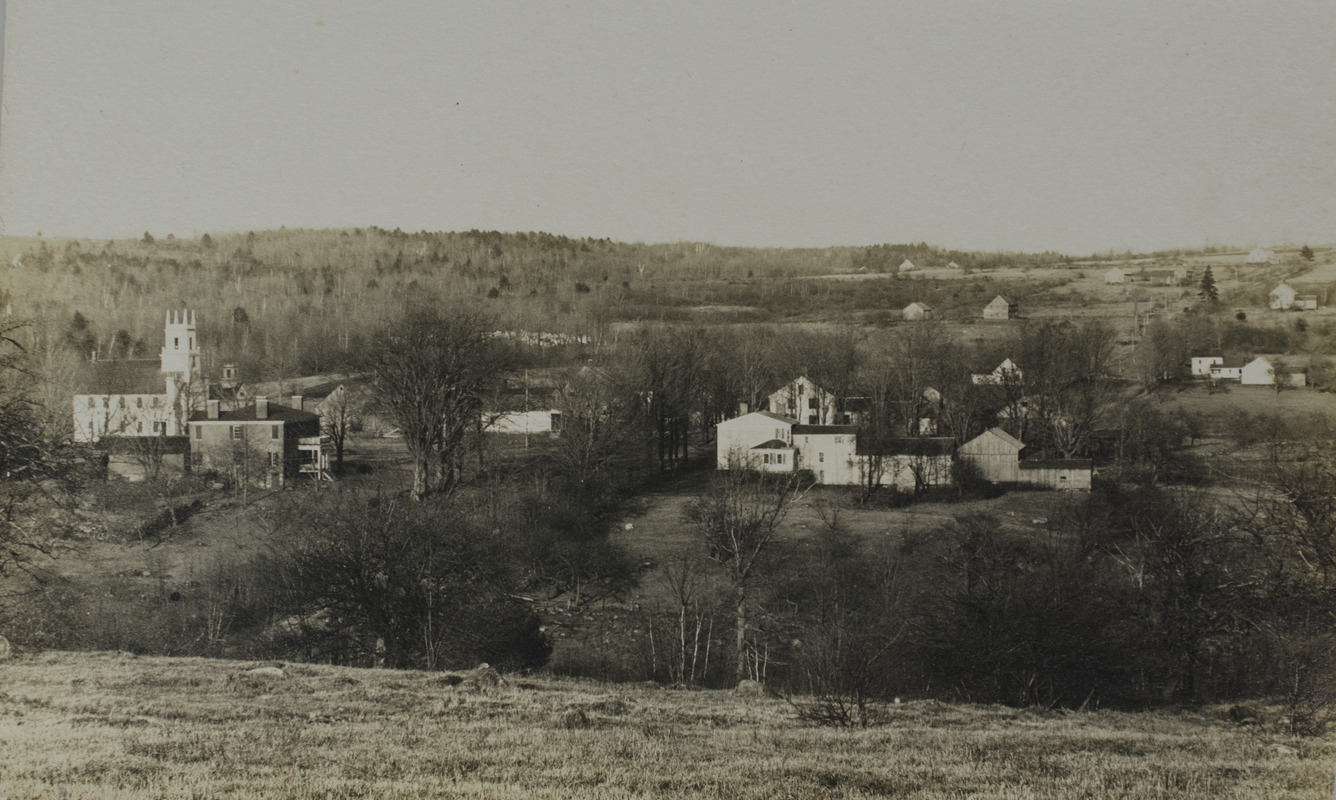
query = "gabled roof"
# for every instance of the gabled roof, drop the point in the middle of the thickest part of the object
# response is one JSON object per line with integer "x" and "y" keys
{"x": 131, "y": 376}
{"x": 1282, "y": 285}
{"x": 1000, "y": 299}
{"x": 1256, "y": 360}
{"x": 917, "y": 304}
{"x": 776, "y": 417}
{"x": 808, "y": 430}
{"x": 906, "y": 446}
{"x": 774, "y": 444}
{"x": 997, "y": 433}
{"x": 276, "y": 413}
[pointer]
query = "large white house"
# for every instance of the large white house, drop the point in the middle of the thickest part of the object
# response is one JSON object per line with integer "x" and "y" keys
{"x": 770, "y": 442}
{"x": 806, "y": 402}
{"x": 142, "y": 397}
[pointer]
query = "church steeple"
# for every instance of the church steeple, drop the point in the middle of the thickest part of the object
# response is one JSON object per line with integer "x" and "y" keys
{"x": 180, "y": 349}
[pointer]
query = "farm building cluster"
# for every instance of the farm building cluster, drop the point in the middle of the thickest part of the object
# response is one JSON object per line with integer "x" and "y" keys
{"x": 805, "y": 427}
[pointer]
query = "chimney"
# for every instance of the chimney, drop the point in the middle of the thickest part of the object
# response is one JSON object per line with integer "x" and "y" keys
{"x": 298, "y": 401}
{"x": 211, "y": 411}
{"x": 743, "y": 409}
{"x": 261, "y": 407}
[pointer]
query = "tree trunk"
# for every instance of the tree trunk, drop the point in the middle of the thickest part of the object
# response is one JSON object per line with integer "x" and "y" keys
{"x": 740, "y": 640}
{"x": 421, "y": 471}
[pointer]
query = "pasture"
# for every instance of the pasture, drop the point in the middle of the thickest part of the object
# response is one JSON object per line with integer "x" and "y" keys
{"x": 110, "y": 725}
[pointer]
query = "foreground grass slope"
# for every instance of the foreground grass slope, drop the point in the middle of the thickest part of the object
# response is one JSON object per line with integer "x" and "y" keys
{"x": 107, "y": 725}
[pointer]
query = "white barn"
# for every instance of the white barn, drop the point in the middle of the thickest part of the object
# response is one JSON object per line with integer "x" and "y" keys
{"x": 917, "y": 311}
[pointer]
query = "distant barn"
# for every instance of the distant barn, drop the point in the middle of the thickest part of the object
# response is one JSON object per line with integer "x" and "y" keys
{"x": 1001, "y": 308}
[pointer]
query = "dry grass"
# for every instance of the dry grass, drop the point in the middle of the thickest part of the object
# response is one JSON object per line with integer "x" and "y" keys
{"x": 103, "y": 725}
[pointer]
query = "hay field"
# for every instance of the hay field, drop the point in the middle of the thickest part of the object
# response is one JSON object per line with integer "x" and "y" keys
{"x": 111, "y": 726}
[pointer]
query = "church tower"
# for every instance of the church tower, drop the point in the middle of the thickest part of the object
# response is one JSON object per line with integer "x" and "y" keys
{"x": 180, "y": 350}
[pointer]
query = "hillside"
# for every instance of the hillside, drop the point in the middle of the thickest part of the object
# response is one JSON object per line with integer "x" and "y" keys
{"x": 113, "y": 725}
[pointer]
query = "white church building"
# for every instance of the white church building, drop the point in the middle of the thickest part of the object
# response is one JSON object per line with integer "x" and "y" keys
{"x": 142, "y": 397}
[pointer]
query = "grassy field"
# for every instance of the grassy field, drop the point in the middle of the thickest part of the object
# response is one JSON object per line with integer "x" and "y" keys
{"x": 104, "y": 725}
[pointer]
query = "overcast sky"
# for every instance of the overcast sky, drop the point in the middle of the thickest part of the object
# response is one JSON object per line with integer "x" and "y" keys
{"x": 984, "y": 125}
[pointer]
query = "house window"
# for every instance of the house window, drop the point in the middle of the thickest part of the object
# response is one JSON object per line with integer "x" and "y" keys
{"x": 839, "y": 440}
{"x": 176, "y": 343}
{"x": 139, "y": 402}
{"x": 821, "y": 476}
{"x": 91, "y": 402}
{"x": 159, "y": 427}
{"x": 765, "y": 459}
{"x": 821, "y": 457}
{"x": 779, "y": 458}
{"x": 157, "y": 401}
{"x": 813, "y": 404}
{"x": 275, "y": 459}
{"x": 812, "y": 419}
{"x": 237, "y": 432}
{"x": 199, "y": 431}
{"x": 120, "y": 402}
{"x": 139, "y": 427}
{"x": 274, "y": 431}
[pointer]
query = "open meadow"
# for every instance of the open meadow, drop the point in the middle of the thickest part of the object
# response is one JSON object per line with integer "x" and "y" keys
{"x": 110, "y": 725}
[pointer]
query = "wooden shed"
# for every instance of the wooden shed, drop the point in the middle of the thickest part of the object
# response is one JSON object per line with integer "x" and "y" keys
{"x": 995, "y": 453}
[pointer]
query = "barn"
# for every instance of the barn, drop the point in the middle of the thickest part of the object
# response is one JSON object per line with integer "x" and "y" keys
{"x": 1001, "y": 308}
{"x": 917, "y": 311}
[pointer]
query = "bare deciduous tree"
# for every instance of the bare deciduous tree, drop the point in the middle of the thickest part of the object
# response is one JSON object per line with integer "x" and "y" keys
{"x": 430, "y": 371}
{"x": 739, "y": 518}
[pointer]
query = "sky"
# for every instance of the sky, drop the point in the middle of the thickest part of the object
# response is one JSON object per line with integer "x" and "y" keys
{"x": 1070, "y": 126}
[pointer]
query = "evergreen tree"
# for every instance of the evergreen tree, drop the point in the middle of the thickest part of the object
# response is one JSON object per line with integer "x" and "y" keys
{"x": 1306, "y": 253}
{"x": 1208, "y": 291}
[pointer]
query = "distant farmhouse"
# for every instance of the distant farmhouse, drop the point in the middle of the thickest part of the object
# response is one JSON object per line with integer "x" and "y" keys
{"x": 907, "y": 265}
{"x": 917, "y": 311}
{"x": 1256, "y": 372}
{"x": 802, "y": 400}
{"x": 1001, "y": 308}
{"x": 1285, "y": 298}
{"x": 1006, "y": 373}
{"x": 1260, "y": 256}
{"x": 953, "y": 265}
